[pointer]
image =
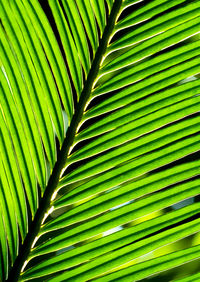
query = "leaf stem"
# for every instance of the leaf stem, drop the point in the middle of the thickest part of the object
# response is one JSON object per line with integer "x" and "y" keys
{"x": 45, "y": 201}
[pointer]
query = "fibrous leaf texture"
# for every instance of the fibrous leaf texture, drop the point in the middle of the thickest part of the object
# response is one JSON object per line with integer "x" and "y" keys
{"x": 99, "y": 140}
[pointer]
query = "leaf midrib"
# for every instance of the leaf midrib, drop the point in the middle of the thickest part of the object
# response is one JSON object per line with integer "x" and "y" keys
{"x": 64, "y": 152}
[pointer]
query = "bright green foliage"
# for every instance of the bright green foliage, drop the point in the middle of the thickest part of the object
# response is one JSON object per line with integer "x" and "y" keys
{"x": 99, "y": 139}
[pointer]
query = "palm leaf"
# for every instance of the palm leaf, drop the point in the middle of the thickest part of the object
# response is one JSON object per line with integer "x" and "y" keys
{"x": 99, "y": 120}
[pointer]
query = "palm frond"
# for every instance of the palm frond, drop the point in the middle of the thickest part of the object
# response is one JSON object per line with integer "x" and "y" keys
{"x": 99, "y": 120}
